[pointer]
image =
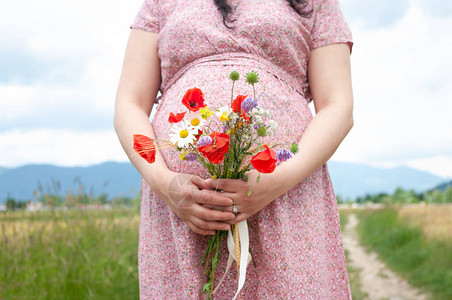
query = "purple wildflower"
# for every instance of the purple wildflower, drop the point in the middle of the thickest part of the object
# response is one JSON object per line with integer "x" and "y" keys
{"x": 249, "y": 103}
{"x": 204, "y": 140}
{"x": 191, "y": 157}
{"x": 283, "y": 154}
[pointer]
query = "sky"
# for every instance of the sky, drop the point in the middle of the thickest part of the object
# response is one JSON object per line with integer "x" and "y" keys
{"x": 60, "y": 63}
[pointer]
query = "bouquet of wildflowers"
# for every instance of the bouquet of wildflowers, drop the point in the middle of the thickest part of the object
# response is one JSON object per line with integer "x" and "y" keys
{"x": 228, "y": 142}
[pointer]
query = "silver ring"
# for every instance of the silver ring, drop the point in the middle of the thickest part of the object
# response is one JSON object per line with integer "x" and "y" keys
{"x": 234, "y": 209}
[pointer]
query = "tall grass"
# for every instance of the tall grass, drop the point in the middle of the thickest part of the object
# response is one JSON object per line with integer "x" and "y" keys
{"x": 425, "y": 263}
{"x": 69, "y": 255}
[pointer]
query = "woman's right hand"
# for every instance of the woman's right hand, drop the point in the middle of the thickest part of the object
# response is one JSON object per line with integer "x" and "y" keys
{"x": 186, "y": 195}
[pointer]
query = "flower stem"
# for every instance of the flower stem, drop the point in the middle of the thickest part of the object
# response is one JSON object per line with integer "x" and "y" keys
{"x": 232, "y": 92}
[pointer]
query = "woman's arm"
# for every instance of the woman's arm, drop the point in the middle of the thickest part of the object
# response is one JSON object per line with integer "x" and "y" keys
{"x": 329, "y": 78}
{"x": 137, "y": 89}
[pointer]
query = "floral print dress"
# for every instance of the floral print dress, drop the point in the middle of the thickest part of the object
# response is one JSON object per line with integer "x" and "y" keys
{"x": 296, "y": 240}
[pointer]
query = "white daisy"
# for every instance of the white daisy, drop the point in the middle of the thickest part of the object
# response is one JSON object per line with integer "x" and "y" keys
{"x": 223, "y": 113}
{"x": 194, "y": 120}
{"x": 182, "y": 135}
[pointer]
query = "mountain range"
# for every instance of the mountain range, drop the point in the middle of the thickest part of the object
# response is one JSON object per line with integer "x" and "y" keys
{"x": 121, "y": 179}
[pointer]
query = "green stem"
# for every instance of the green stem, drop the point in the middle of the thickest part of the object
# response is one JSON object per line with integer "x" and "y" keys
{"x": 232, "y": 92}
{"x": 215, "y": 262}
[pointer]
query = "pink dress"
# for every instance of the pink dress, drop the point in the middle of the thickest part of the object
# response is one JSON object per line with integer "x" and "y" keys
{"x": 296, "y": 240}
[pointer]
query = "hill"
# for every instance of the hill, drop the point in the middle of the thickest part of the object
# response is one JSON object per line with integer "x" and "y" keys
{"x": 115, "y": 179}
{"x": 443, "y": 186}
{"x": 2, "y": 170}
{"x": 121, "y": 179}
{"x": 352, "y": 180}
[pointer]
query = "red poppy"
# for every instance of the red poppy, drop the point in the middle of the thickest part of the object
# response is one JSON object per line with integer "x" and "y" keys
{"x": 144, "y": 147}
{"x": 193, "y": 99}
{"x": 175, "y": 118}
{"x": 197, "y": 136}
{"x": 215, "y": 151}
{"x": 237, "y": 106}
{"x": 264, "y": 161}
{"x": 237, "y": 103}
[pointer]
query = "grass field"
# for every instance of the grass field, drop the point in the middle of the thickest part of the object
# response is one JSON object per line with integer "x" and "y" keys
{"x": 93, "y": 254}
{"x": 435, "y": 220}
{"x": 405, "y": 239}
{"x": 69, "y": 255}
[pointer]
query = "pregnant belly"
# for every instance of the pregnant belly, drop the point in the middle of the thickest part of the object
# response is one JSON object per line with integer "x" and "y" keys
{"x": 287, "y": 106}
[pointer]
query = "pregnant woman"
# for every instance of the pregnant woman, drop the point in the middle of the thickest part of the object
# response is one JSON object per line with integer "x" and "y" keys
{"x": 301, "y": 51}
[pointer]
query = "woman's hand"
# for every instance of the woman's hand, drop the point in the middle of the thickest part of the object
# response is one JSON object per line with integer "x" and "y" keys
{"x": 262, "y": 193}
{"x": 188, "y": 196}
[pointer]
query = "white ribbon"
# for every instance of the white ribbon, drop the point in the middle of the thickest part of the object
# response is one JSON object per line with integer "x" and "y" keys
{"x": 244, "y": 255}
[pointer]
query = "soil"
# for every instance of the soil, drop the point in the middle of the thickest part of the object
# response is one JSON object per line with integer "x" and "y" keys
{"x": 376, "y": 279}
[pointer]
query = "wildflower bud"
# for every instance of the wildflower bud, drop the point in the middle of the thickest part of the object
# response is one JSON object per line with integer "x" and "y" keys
{"x": 191, "y": 157}
{"x": 294, "y": 148}
{"x": 234, "y": 76}
{"x": 204, "y": 140}
{"x": 248, "y": 104}
{"x": 283, "y": 155}
{"x": 262, "y": 131}
{"x": 252, "y": 77}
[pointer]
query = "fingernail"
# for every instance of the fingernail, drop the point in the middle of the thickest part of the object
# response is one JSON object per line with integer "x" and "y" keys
{"x": 226, "y": 227}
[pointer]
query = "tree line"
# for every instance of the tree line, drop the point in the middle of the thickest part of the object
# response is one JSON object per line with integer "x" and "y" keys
{"x": 402, "y": 196}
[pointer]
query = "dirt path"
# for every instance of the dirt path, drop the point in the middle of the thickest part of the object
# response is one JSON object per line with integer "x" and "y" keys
{"x": 376, "y": 279}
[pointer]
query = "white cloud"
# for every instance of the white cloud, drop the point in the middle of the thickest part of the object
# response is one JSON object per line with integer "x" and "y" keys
{"x": 402, "y": 92}
{"x": 400, "y": 77}
{"x": 92, "y": 34}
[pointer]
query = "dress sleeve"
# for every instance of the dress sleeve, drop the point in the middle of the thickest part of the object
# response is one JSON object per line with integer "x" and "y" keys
{"x": 147, "y": 18}
{"x": 330, "y": 26}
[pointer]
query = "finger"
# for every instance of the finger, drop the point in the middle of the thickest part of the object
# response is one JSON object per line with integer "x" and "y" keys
{"x": 198, "y": 230}
{"x": 210, "y": 197}
{"x": 219, "y": 208}
{"x": 228, "y": 185}
{"x": 205, "y": 213}
{"x": 209, "y": 225}
{"x": 199, "y": 182}
{"x": 238, "y": 218}
{"x": 222, "y": 208}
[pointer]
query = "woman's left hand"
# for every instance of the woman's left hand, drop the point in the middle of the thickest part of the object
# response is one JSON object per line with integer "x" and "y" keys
{"x": 248, "y": 203}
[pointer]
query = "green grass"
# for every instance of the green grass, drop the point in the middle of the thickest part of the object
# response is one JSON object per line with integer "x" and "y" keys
{"x": 343, "y": 217}
{"x": 426, "y": 264}
{"x": 69, "y": 255}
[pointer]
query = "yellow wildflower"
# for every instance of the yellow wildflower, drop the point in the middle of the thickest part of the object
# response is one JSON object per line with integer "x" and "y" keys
{"x": 224, "y": 116}
{"x": 182, "y": 155}
{"x": 205, "y": 112}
